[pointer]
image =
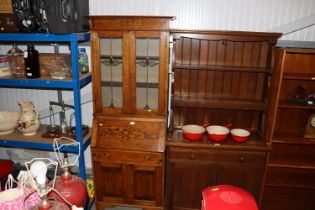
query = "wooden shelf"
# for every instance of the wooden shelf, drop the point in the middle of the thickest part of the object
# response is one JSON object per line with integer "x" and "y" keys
{"x": 285, "y": 104}
{"x": 254, "y": 143}
{"x": 270, "y": 184}
{"x": 291, "y": 138}
{"x": 291, "y": 162}
{"x": 299, "y": 76}
{"x": 209, "y": 103}
{"x": 222, "y": 68}
{"x": 36, "y": 141}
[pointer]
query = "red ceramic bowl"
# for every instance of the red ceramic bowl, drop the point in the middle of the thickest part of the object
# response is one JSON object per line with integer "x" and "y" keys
{"x": 240, "y": 135}
{"x": 217, "y": 132}
{"x": 193, "y": 132}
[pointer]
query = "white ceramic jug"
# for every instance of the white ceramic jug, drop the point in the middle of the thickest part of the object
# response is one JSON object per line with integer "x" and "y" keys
{"x": 28, "y": 123}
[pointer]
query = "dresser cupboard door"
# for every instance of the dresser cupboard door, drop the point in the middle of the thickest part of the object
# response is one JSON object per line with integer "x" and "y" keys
{"x": 243, "y": 169}
{"x": 188, "y": 173}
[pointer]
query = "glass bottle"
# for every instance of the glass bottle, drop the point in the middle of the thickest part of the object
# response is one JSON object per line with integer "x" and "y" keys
{"x": 31, "y": 58}
{"x": 83, "y": 61}
{"x": 16, "y": 62}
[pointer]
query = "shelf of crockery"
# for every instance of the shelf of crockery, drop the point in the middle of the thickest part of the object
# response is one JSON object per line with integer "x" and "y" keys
{"x": 17, "y": 140}
{"x": 73, "y": 83}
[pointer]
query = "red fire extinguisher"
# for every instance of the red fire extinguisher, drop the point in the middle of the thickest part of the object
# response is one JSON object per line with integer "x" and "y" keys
{"x": 70, "y": 187}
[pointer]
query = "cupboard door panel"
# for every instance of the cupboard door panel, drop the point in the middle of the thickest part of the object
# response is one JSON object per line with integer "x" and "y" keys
{"x": 109, "y": 179}
{"x": 242, "y": 176}
{"x": 301, "y": 62}
{"x": 190, "y": 179}
{"x": 147, "y": 184}
{"x": 189, "y": 172}
{"x": 127, "y": 177}
{"x": 243, "y": 169}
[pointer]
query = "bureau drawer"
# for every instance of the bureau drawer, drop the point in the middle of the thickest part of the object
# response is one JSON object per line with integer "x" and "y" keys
{"x": 145, "y": 134}
{"x": 237, "y": 157}
{"x": 127, "y": 157}
{"x": 185, "y": 154}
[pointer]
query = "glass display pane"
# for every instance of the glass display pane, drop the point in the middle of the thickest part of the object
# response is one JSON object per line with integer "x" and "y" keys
{"x": 147, "y": 73}
{"x": 147, "y": 97}
{"x": 112, "y": 97}
{"x": 111, "y": 72}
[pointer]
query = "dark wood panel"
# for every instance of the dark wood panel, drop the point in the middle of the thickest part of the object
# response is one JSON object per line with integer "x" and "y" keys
{"x": 186, "y": 179}
{"x": 219, "y": 84}
{"x": 293, "y": 155}
{"x": 296, "y": 62}
{"x": 291, "y": 177}
{"x": 206, "y": 51}
{"x": 285, "y": 198}
{"x": 291, "y": 121}
{"x": 290, "y": 89}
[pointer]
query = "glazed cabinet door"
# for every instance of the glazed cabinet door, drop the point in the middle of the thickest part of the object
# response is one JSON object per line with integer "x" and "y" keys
{"x": 110, "y": 67}
{"x": 151, "y": 63}
{"x": 132, "y": 72}
{"x": 128, "y": 177}
{"x": 188, "y": 173}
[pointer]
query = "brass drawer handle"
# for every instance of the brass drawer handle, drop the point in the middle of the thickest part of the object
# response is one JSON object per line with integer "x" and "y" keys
{"x": 192, "y": 157}
{"x": 242, "y": 159}
{"x": 147, "y": 157}
{"x": 107, "y": 155}
{"x": 100, "y": 124}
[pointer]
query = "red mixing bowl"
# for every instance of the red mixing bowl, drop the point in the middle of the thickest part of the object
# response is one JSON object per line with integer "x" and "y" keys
{"x": 240, "y": 135}
{"x": 217, "y": 132}
{"x": 193, "y": 132}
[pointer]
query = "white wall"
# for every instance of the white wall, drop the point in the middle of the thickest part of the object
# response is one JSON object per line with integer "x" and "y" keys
{"x": 245, "y": 15}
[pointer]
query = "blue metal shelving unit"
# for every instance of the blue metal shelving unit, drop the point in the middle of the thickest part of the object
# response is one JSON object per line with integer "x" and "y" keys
{"x": 74, "y": 84}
